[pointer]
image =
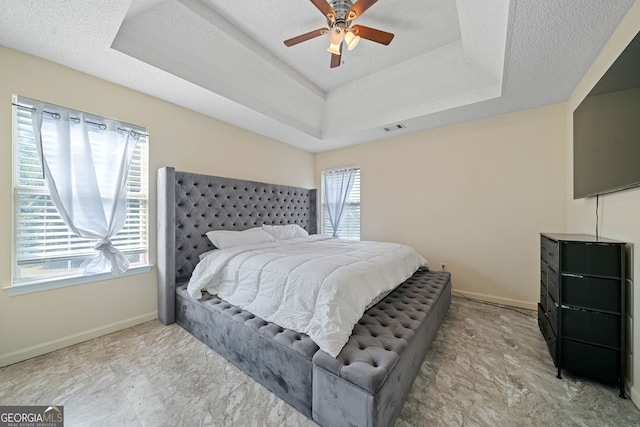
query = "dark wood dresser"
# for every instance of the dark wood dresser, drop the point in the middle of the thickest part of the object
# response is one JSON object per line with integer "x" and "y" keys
{"x": 581, "y": 312}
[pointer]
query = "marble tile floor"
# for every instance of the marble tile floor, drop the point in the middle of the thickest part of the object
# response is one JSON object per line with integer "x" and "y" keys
{"x": 488, "y": 366}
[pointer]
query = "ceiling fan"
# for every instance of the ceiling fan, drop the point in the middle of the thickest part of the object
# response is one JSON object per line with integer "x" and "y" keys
{"x": 340, "y": 15}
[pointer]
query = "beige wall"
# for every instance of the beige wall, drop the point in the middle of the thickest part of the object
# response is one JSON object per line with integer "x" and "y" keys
{"x": 474, "y": 196}
{"x": 620, "y": 212}
{"x": 36, "y": 323}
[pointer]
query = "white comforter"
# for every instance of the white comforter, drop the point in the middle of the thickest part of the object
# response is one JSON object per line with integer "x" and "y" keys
{"x": 317, "y": 285}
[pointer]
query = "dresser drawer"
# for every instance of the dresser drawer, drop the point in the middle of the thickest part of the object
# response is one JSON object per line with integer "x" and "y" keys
{"x": 599, "y": 363}
{"x": 547, "y": 333}
{"x": 591, "y": 292}
{"x": 552, "y": 284}
{"x": 542, "y": 320}
{"x": 543, "y": 297}
{"x": 552, "y": 314}
{"x": 592, "y": 258}
{"x": 543, "y": 248}
{"x": 591, "y": 326}
{"x": 553, "y": 253}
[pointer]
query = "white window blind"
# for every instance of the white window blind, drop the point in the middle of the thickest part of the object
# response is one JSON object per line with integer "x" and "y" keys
{"x": 349, "y": 227}
{"x": 44, "y": 247}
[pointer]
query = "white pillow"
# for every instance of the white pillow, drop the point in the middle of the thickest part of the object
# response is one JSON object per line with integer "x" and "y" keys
{"x": 285, "y": 232}
{"x": 224, "y": 239}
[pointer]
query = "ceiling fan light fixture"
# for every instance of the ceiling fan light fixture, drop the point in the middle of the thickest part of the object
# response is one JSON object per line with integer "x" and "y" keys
{"x": 334, "y": 48}
{"x": 336, "y": 35}
{"x": 351, "y": 39}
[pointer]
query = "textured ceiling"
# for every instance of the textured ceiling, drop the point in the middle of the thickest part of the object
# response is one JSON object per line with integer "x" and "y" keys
{"x": 450, "y": 61}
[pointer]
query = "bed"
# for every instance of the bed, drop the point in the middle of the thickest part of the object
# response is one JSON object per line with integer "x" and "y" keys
{"x": 367, "y": 383}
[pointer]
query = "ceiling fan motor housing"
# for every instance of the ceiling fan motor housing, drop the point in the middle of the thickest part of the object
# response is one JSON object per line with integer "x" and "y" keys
{"x": 341, "y": 7}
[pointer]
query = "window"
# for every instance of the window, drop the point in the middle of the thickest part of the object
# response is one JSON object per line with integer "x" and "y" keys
{"x": 333, "y": 182}
{"x": 44, "y": 248}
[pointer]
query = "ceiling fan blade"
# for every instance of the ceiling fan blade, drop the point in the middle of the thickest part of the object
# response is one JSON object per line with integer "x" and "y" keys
{"x": 372, "y": 34}
{"x": 336, "y": 59}
{"x": 359, "y": 7}
{"x": 306, "y": 36}
{"x": 324, "y": 7}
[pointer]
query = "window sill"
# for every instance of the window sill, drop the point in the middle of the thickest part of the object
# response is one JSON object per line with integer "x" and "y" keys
{"x": 45, "y": 285}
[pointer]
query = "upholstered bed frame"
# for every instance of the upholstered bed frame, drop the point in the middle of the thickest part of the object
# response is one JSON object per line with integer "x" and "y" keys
{"x": 367, "y": 384}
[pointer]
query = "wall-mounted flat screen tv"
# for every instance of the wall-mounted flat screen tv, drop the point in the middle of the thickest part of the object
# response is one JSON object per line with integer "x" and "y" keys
{"x": 606, "y": 130}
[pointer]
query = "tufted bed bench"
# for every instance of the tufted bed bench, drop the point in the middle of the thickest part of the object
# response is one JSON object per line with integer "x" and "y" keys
{"x": 367, "y": 383}
{"x": 370, "y": 379}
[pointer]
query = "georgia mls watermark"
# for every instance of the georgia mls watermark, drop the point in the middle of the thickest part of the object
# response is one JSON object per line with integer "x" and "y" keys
{"x": 31, "y": 416}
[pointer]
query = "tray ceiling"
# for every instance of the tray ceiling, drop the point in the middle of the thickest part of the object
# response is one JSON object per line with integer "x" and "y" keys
{"x": 450, "y": 61}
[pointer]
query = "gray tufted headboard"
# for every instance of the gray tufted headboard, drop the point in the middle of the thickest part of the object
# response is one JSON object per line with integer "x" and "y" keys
{"x": 190, "y": 204}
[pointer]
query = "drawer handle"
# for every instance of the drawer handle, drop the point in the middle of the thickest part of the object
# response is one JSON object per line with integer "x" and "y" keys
{"x": 577, "y": 276}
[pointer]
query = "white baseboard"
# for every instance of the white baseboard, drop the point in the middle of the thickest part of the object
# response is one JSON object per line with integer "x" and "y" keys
{"x": 498, "y": 300}
{"x": 49, "y": 346}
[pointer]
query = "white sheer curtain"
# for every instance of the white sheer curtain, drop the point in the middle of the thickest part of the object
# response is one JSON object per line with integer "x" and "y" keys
{"x": 85, "y": 166}
{"x": 337, "y": 186}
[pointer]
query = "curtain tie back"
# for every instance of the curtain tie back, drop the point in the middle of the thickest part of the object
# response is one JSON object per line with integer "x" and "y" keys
{"x": 102, "y": 245}
{"x": 108, "y": 258}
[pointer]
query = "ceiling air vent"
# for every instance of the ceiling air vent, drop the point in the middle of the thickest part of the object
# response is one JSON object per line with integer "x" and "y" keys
{"x": 395, "y": 127}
